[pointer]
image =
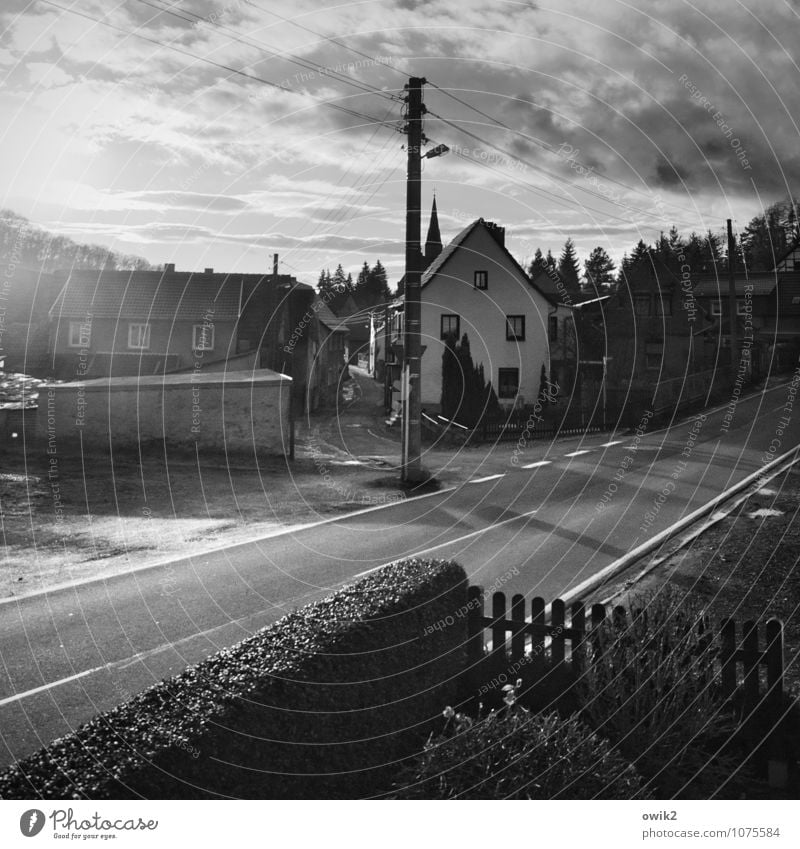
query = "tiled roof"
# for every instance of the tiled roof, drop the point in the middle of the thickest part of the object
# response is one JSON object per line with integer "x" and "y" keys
{"x": 149, "y": 295}
{"x": 326, "y": 316}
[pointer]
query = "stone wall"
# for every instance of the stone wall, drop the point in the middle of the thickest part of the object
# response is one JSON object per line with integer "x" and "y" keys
{"x": 241, "y": 411}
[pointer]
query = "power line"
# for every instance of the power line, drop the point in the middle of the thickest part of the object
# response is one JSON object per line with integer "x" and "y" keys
{"x": 538, "y": 168}
{"x": 323, "y": 37}
{"x": 344, "y": 109}
{"x": 260, "y": 45}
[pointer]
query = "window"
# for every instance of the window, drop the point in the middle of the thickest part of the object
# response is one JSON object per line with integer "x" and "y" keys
{"x": 641, "y": 304}
{"x": 203, "y": 337}
{"x": 139, "y": 336}
{"x": 796, "y": 265}
{"x": 653, "y": 361}
{"x": 508, "y": 383}
{"x": 664, "y": 305}
{"x": 481, "y": 279}
{"x": 515, "y": 328}
{"x": 450, "y": 326}
{"x": 552, "y": 328}
{"x": 80, "y": 334}
{"x": 716, "y": 308}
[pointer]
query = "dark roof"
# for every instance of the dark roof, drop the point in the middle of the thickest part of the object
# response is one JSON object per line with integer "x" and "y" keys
{"x": 438, "y": 264}
{"x": 326, "y": 317}
{"x": 790, "y": 249}
{"x": 716, "y": 285}
{"x": 149, "y": 295}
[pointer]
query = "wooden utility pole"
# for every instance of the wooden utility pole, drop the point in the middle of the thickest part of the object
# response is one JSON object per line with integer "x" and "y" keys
{"x": 732, "y": 311}
{"x": 412, "y": 471}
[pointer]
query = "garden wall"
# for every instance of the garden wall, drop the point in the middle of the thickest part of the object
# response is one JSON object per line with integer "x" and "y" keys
{"x": 230, "y": 411}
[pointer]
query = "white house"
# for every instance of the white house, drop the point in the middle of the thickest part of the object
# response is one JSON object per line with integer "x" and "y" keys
{"x": 475, "y": 286}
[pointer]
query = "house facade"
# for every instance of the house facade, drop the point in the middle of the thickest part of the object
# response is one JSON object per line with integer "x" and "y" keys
{"x": 126, "y": 323}
{"x": 474, "y": 286}
{"x": 768, "y": 314}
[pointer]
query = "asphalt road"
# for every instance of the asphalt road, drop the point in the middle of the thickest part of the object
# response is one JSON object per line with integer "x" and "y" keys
{"x": 69, "y": 653}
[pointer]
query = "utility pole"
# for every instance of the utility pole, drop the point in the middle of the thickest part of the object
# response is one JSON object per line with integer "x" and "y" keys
{"x": 732, "y": 311}
{"x": 412, "y": 471}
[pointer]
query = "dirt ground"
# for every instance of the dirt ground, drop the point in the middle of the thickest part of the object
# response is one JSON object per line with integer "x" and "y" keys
{"x": 68, "y": 517}
{"x": 746, "y": 566}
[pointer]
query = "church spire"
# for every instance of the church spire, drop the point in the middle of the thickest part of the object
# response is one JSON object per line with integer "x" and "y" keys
{"x": 433, "y": 244}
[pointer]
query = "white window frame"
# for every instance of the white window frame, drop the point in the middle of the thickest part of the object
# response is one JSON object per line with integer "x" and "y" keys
{"x": 144, "y": 336}
{"x": 75, "y": 330}
{"x": 197, "y": 336}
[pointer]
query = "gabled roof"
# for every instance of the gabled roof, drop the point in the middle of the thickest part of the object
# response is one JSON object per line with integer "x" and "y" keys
{"x": 439, "y": 263}
{"x": 154, "y": 295}
{"x": 789, "y": 250}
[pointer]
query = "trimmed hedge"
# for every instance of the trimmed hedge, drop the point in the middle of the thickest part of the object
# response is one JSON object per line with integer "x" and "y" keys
{"x": 323, "y": 704}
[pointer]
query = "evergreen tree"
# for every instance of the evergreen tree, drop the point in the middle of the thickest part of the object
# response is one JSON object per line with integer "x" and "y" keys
{"x": 598, "y": 271}
{"x": 550, "y": 260}
{"x": 325, "y": 285}
{"x": 466, "y": 396}
{"x": 568, "y": 268}
{"x": 378, "y": 285}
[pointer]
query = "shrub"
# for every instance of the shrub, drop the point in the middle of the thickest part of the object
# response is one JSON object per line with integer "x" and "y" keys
{"x": 514, "y": 754}
{"x": 319, "y": 705}
{"x": 650, "y": 688}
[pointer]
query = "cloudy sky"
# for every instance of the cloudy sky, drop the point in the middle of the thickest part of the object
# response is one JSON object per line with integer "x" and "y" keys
{"x": 218, "y": 133}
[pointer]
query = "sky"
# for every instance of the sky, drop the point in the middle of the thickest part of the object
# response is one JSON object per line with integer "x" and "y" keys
{"x": 215, "y": 134}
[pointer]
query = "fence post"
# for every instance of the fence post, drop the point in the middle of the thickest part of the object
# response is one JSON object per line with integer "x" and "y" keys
{"x": 751, "y": 657}
{"x": 727, "y": 635}
{"x": 577, "y": 624}
{"x": 518, "y": 634}
{"x": 557, "y": 634}
{"x": 773, "y": 652}
{"x": 537, "y": 630}
{"x": 475, "y": 652}
{"x": 498, "y": 662}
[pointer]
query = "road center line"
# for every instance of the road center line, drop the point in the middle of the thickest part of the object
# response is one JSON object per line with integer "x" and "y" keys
{"x": 613, "y": 442}
{"x": 537, "y": 464}
{"x": 578, "y": 453}
{"x": 487, "y": 478}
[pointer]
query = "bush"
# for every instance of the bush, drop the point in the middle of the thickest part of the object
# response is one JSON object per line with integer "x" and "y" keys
{"x": 319, "y": 705}
{"x": 514, "y": 754}
{"x": 650, "y": 688}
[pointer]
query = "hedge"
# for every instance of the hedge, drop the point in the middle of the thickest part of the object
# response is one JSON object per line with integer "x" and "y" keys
{"x": 324, "y": 703}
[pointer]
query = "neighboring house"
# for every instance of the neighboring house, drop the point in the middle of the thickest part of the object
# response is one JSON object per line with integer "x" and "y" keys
{"x": 655, "y": 331}
{"x": 123, "y": 323}
{"x": 126, "y": 323}
{"x": 790, "y": 261}
{"x": 474, "y": 286}
{"x": 768, "y": 311}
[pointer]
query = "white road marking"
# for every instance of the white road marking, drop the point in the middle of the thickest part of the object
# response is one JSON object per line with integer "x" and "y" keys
{"x": 613, "y": 442}
{"x": 487, "y": 478}
{"x": 537, "y": 464}
{"x": 44, "y": 687}
{"x": 578, "y": 453}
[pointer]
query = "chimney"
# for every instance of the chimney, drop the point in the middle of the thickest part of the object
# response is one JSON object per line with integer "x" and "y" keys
{"x": 275, "y": 264}
{"x": 209, "y": 271}
{"x": 498, "y": 232}
{"x": 169, "y": 267}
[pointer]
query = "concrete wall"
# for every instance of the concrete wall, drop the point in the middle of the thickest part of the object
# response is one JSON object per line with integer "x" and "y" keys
{"x": 243, "y": 411}
{"x": 483, "y": 318}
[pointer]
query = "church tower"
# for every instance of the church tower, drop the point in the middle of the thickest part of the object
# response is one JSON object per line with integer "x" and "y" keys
{"x": 433, "y": 244}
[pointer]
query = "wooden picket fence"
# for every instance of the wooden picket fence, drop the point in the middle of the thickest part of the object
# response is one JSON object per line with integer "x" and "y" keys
{"x": 534, "y": 645}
